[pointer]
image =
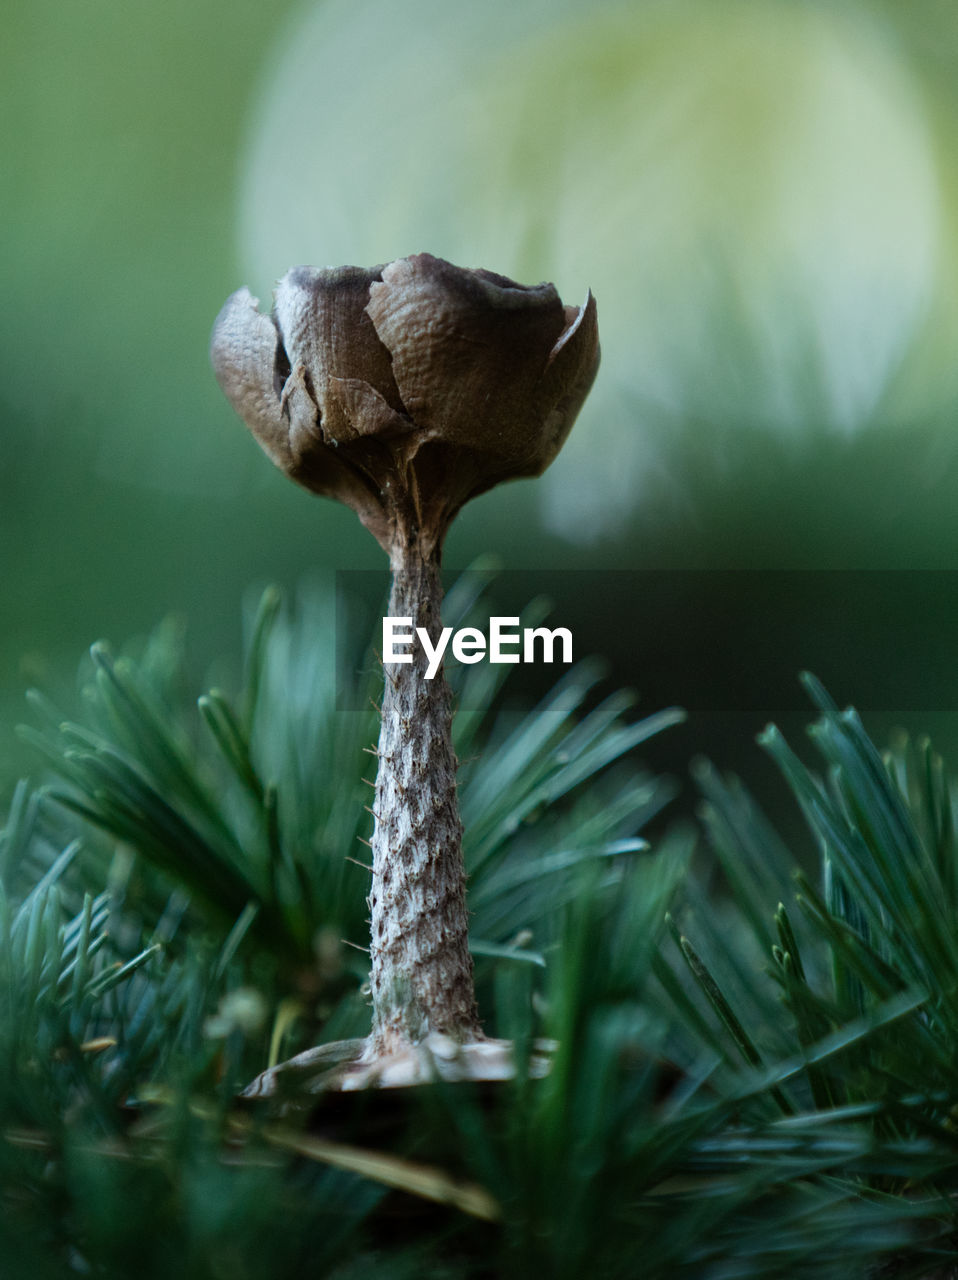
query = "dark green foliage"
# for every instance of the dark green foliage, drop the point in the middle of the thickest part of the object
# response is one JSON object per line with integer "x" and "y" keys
{"x": 754, "y": 1084}
{"x": 857, "y": 1009}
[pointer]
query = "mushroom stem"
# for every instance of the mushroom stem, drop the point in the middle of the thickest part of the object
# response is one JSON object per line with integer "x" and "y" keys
{"x": 422, "y": 977}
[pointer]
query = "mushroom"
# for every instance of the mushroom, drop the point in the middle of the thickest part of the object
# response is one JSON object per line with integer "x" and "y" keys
{"x": 404, "y": 391}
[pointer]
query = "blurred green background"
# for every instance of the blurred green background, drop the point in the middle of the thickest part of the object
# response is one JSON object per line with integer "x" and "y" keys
{"x": 763, "y": 195}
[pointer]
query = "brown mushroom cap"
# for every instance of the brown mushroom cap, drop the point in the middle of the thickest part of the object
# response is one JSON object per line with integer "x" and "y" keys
{"x": 406, "y": 389}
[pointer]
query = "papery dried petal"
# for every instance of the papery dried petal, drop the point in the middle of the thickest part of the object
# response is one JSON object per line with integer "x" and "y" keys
{"x": 244, "y": 350}
{"x": 569, "y": 375}
{"x": 250, "y": 364}
{"x": 468, "y": 349}
{"x": 321, "y": 315}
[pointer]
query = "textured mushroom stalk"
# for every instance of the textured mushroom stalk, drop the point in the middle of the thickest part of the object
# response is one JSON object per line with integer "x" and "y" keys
{"x": 421, "y": 966}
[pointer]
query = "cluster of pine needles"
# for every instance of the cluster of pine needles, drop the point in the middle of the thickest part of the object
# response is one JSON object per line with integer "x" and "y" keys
{"x": 755, "y": 1071}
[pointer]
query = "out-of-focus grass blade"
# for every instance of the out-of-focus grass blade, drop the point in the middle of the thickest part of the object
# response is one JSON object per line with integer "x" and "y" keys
{"x": 498, "y": 951}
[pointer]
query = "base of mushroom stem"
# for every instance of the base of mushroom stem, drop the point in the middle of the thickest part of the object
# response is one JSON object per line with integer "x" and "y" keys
{"x": 349, "y": 1065}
